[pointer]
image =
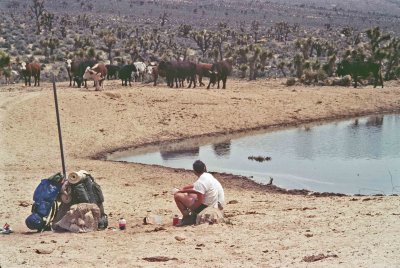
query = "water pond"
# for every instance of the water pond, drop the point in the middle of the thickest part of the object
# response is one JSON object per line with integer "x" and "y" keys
{"x": 358, "y": 156}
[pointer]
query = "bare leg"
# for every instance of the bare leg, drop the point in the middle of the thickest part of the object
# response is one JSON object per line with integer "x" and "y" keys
{"x": 184, "y": 202}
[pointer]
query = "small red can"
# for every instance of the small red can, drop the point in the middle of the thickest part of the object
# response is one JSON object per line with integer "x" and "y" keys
{"x": 175, "y": 220}
{"x": 122, "y": 224}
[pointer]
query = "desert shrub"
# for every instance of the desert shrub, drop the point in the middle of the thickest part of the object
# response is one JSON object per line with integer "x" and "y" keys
{"x": 321, "y": 75}
{"x": 20, "y": 45}
{"x": 291, "y": 81}
{"x": 309, "y": 76}
{"x": 344, "y": 81}
{"x": 60, "y": 56}
{"x": 14, "y": 53}
{"x": 243, "y": 68}
{"x": 5, "y": 45}
{"x": 38, "y": 52}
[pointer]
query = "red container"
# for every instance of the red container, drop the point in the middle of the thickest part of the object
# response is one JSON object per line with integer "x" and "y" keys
{"x": 122, "y": 224}
{"x": 175, "y": 220}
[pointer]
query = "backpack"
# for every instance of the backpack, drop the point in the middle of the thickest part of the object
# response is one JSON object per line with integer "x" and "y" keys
{"x": 45, "y": 204}
{"x": 89, "y": 191}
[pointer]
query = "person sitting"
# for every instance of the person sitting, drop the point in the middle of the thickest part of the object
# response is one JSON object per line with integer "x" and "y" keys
{"x": 207, "y": 191}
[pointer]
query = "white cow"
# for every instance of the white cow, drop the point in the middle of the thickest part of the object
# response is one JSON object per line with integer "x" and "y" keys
{"x": 140, "y": 70}
{"x": 68, "y": 65}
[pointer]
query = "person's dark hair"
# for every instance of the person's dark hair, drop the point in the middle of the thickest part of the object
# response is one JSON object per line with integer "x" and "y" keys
{"x": 199, "y": 166}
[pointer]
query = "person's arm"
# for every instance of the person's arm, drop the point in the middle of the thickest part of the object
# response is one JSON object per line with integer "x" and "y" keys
{"x": 187, "y": 187}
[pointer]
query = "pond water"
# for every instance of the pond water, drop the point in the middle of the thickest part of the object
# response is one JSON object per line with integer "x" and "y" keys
{"x": 358, "y": 156}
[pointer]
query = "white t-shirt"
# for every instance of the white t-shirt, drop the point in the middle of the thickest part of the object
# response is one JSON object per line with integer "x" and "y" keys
{"x": 211, "y": 188}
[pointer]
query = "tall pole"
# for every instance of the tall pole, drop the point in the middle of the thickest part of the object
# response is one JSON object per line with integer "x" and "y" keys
{"x": 59, "y": 127}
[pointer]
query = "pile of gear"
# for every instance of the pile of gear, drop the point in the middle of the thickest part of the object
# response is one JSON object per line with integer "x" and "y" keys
{"x": 81, "y": 204}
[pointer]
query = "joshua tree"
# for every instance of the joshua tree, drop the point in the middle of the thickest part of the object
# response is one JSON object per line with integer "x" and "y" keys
{"x": 164, "y": 18}
{"x": 203, "y": 40}
{"x": 109, "y": 40}
{"x": 131, "y": 46}
{"x": 184, "y": 30}
{"x": 218, "y": 41}
{"x": 37, "y": 9}
{"x": 376, "y": 39}
{"x": 82, "y": 42}
{"x": 51, "y": 42}
{"x": 255, "y": 27}
{"x": 306, "y": 46}
{"x": 298, "y": 63}
{"x": 281, "y": 31}
{"x": 91, "y": 53}
{"x": 281, "y": 67}
{"x": 4, "y": 59}
{"x": 243, "y": 68}
{"x": 329, "y": 67}
{"x": 253, "y": 63}
{"x": 393, "y": 59}
{"x": 47, "y": 20}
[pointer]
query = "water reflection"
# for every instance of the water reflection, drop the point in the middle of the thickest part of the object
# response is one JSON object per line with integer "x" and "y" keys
{"x": 343, "y": 156}
{"x": 222, "y": 149}
{"x": 182, "y": 153}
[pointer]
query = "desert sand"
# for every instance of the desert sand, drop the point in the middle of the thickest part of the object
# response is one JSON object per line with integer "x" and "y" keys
{"x": 265, "y": 227}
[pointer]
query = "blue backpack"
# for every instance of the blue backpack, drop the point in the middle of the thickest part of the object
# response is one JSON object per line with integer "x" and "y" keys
{"x": 45, "y": 203}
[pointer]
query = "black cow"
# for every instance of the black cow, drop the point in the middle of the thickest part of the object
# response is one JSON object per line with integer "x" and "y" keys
{"x": 361, "y": 69}
{"x": 78, "y": 73}
{"x": 112, "y": 71}
{"x": 125, "y": 74}
{"x": 220, "y": 71}
{"x": 178, "y": 71}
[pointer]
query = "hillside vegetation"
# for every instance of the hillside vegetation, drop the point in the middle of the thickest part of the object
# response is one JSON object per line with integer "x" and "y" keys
{"x": 299, "y": 39}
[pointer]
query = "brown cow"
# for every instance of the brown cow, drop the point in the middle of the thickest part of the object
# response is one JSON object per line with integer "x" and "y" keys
{"x": 97, "y": 73}
{"x": 203, "y": 70}
{"x": 28, "y": 70}
{"x": 153, "y": 70}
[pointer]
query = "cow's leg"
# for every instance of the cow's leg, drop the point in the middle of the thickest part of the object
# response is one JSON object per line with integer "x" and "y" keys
{"x": 218, "y": 83}
{"x": 208, "y": 87}
{"x": 201, "y": 81}
{"x": 176, "y": 82}
{"x": 224, "y": 83}
{"x": 29, "y": 80}
{"x": 194, "y": 81}
{"x": 190, "y": 83}
{"x": 155, "y": 79}
{"x": 355, "y": 81}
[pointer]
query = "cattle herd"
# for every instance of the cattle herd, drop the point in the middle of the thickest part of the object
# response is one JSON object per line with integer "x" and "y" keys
{"x": 174, "y": 72}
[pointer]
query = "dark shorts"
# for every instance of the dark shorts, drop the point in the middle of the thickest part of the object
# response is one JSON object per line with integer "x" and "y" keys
{"x": 199, "y": 208}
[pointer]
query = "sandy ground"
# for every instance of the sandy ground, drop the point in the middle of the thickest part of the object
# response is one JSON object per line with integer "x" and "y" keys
{"x": 265, "y": 229}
